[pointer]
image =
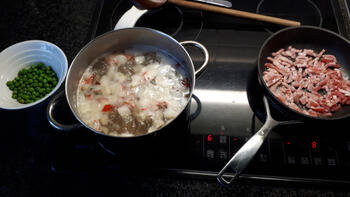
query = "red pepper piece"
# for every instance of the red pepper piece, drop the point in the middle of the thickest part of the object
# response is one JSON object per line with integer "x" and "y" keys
{"x": 88, "y": 80}
{"x": 128, "y": 57}
{"x": 107, "y": 108}
{"x": 88, "y": 96}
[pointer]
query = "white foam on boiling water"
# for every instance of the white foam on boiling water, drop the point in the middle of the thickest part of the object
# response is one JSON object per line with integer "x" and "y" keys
{"x": 155, "y": 91}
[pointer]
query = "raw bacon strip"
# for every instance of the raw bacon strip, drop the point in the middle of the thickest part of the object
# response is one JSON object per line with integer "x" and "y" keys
{"x": 307, "y": 81}
{"x": 272, "y": 77}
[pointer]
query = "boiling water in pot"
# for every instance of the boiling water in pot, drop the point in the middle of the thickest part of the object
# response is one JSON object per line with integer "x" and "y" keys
{"x": 132, "y": 92}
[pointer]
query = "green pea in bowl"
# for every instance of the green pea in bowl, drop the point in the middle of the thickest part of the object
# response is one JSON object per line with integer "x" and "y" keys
{"x": 30, "y": 72}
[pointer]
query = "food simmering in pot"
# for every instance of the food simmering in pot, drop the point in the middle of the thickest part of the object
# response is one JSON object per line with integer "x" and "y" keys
{"x": 133, "y": 92}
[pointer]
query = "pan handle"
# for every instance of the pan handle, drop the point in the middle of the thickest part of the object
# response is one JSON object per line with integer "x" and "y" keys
{"x": 205, "y": 52}
{"x": 244, "y": 155}
{"x": 49, "y": 114}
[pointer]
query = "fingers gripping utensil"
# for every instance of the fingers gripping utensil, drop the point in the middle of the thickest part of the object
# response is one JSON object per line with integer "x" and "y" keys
{"x": 245, "y": 154}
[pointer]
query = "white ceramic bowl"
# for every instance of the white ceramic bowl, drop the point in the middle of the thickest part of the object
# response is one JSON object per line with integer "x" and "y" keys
{"x": 25, "y": 54}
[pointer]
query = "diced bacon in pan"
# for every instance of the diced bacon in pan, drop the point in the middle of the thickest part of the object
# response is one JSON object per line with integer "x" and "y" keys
{"x": 306, "y": 81}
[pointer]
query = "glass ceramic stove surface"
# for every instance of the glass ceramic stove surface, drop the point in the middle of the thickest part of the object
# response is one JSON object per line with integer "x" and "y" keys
{"x": 228, "y": 107}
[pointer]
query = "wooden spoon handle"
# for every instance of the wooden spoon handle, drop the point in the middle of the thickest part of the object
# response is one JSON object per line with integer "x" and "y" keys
{"x": 233, "y": 12}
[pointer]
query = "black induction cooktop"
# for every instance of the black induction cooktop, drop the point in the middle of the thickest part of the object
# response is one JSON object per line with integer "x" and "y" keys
{"x": 227, "y": 107}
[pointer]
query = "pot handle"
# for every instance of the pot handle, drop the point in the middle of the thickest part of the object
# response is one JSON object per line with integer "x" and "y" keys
{"x": 205, "y": 52}
{"x": 49, "y": 114}
{"x": 198, "y": 110}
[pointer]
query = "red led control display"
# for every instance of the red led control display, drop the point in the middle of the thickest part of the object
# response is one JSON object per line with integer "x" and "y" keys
{"x": 210, "y": 138}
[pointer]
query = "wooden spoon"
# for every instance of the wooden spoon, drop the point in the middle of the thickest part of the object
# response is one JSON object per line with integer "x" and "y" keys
{"x": 151, "y": 4}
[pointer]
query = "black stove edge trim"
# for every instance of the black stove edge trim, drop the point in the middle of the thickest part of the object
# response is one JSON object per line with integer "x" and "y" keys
{"x": 265, "y": 180}
{"x": 250, "y": 178}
